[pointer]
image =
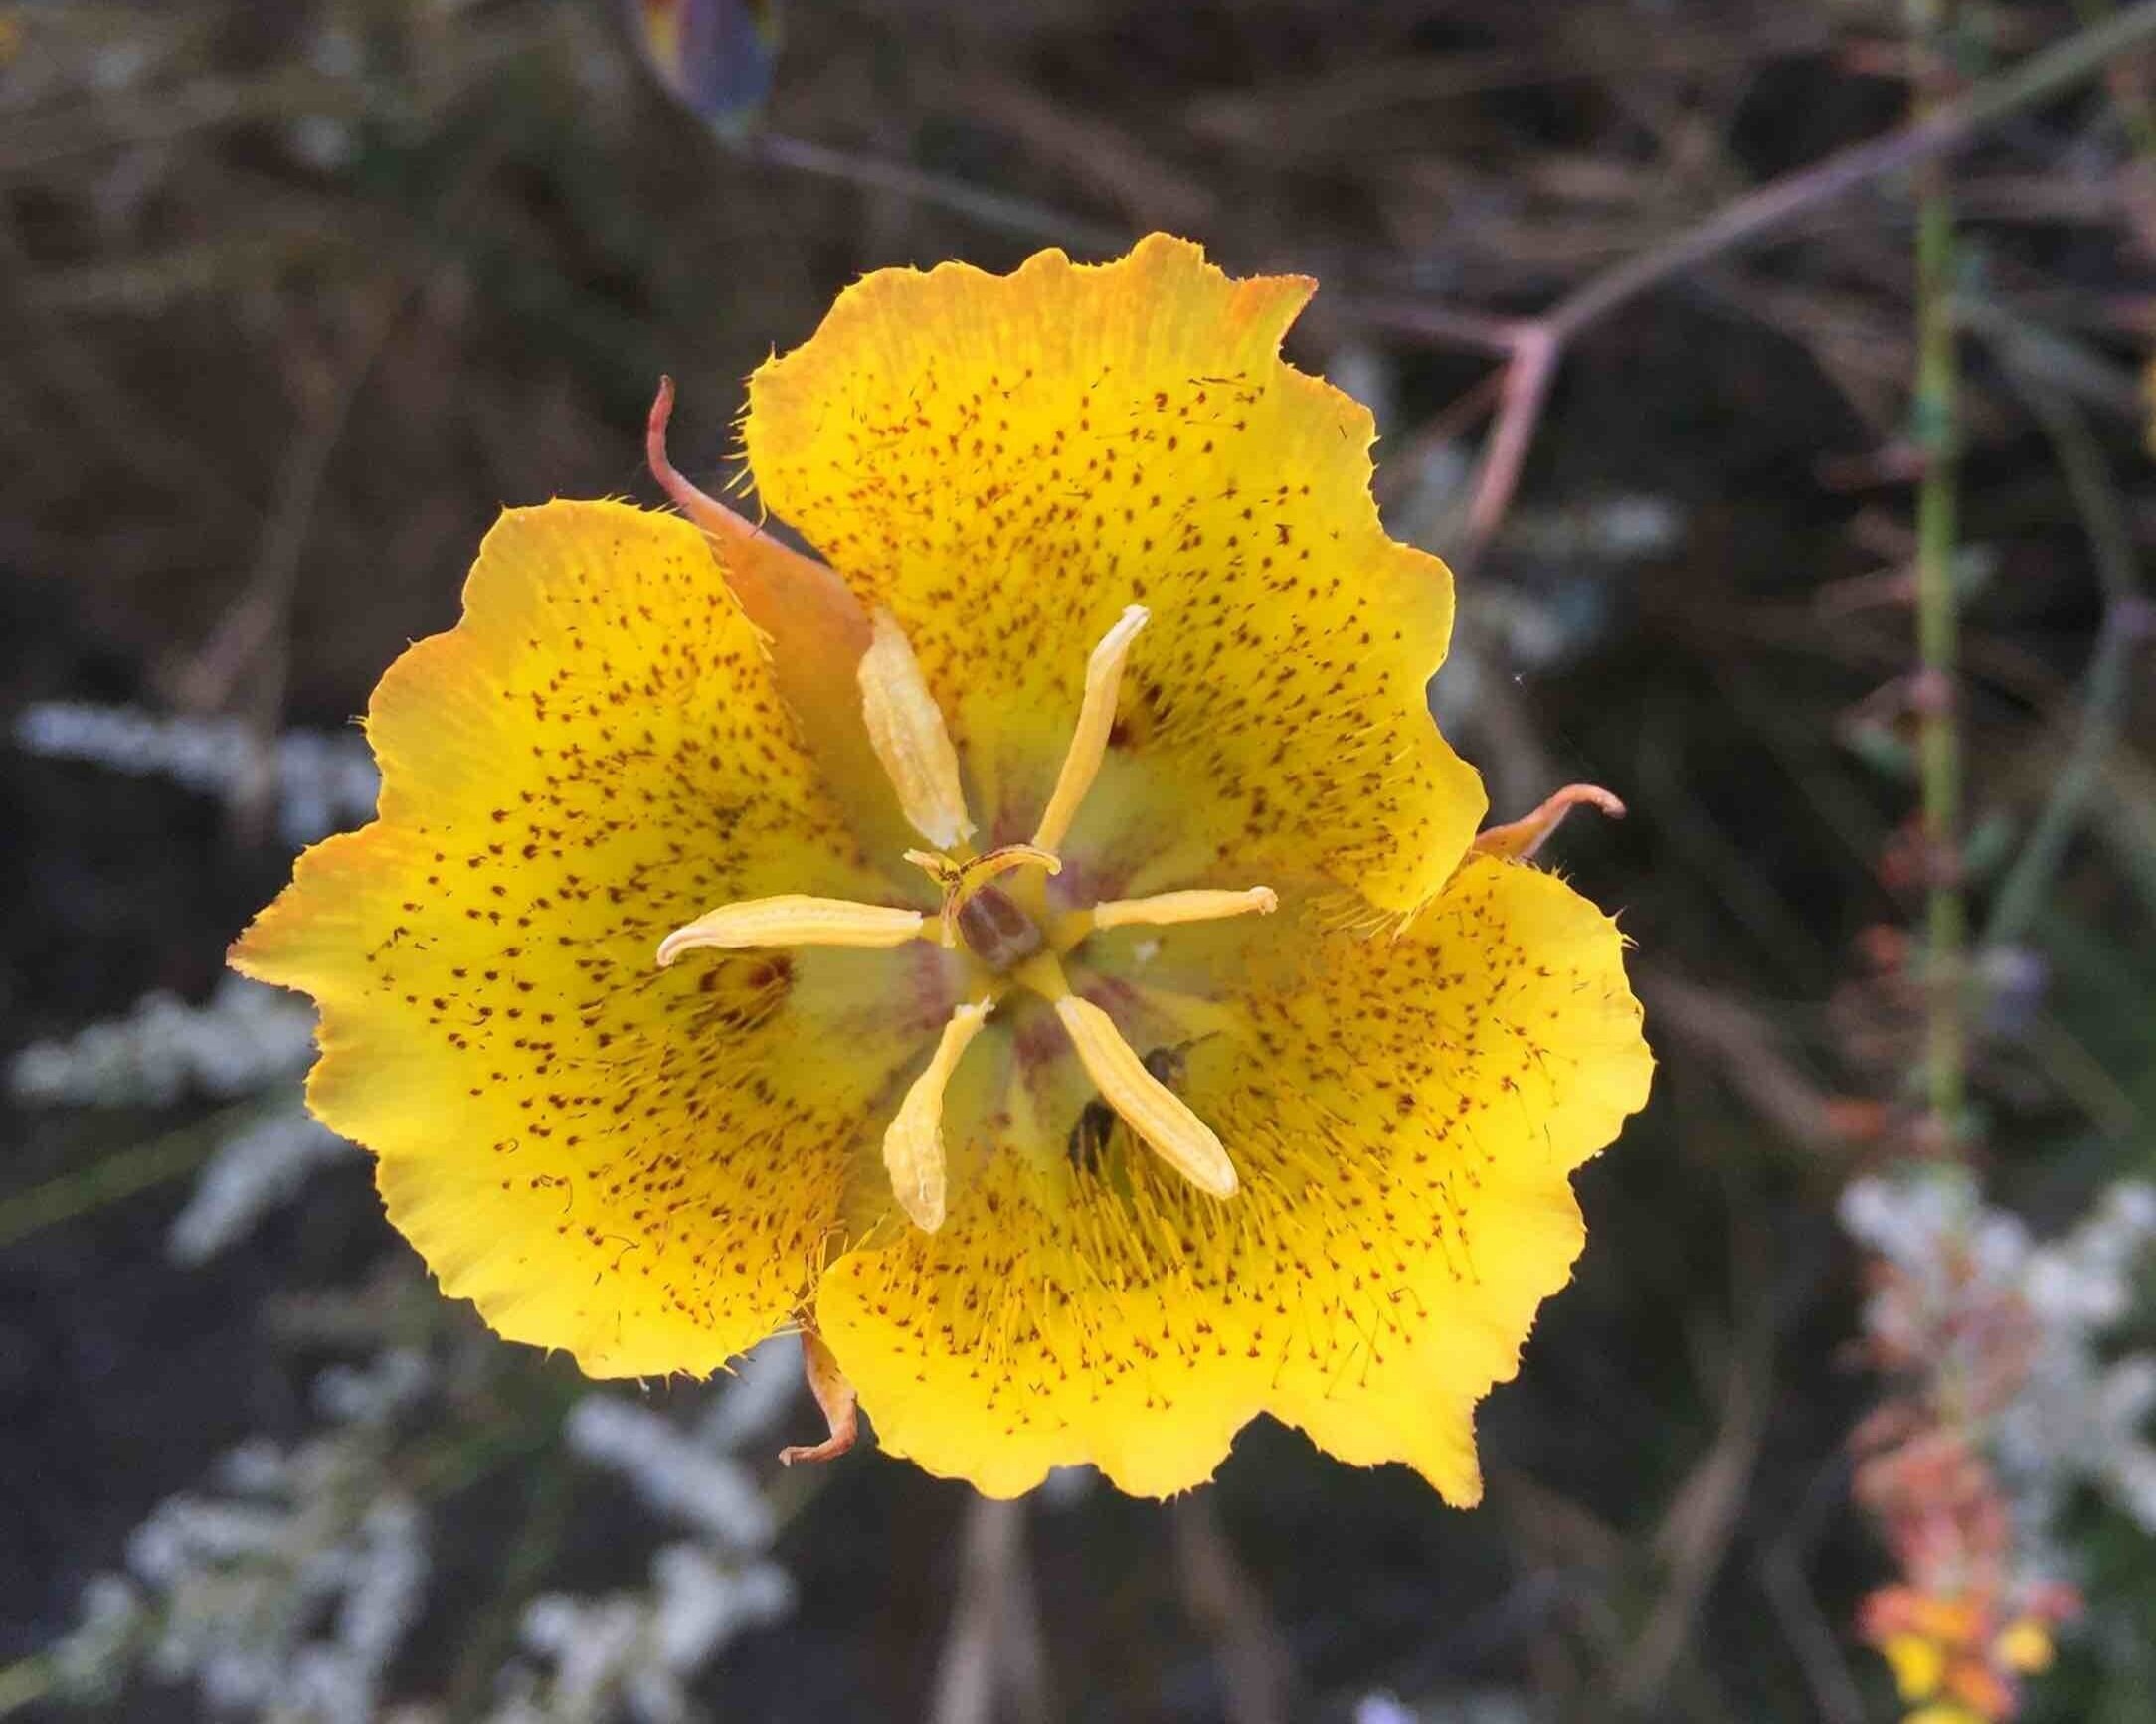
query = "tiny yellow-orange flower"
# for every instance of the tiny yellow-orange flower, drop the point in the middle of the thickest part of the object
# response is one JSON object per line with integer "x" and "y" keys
{"x": 1041, "y": 949}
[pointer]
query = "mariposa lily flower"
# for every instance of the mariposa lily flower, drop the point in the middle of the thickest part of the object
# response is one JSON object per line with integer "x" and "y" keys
{"x": 1043, "y": 951}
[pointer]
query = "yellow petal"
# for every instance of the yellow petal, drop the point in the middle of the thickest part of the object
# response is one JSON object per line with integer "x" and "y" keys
{"x": 1008, "y": 462}
{"x": 1404, "y": 1115}
{"x": 638, "y": 1167}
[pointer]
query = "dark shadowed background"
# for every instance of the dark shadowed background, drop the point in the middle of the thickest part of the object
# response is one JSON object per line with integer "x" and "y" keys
{"x": 294, "y": 297}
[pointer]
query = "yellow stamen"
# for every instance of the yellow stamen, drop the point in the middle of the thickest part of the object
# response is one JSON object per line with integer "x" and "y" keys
{"x": 906, "y": 729}
{"x": 792, "y": 919}
{"x": 1096, "y": 718}
{"x": 1148, "y": 1106}
{"x": 1169, "y": 906}
{"x": 913, "y": 1148}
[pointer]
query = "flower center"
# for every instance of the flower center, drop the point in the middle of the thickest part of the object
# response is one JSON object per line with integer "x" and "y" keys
{"x": 1007, "y": 933}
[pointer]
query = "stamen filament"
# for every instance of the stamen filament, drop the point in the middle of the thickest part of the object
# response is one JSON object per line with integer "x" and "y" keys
{"x": 906, "y": 729}
{"x": 913, "y": 1147}
{"x": 792, "y": 919}
{"x": 1096, "y": 718}
{"x": 1149, "y": 1107}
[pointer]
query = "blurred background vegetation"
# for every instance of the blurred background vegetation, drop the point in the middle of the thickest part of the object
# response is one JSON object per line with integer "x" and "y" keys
{"x": 296, "y": 297}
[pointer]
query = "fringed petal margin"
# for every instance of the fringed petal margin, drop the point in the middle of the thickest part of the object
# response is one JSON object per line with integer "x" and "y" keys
{"x": 639, "y": 1167}
{"x": 1405, "y": 1116}
{"x": 1008, "y": 463}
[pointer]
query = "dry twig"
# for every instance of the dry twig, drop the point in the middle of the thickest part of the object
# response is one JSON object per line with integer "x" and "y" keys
{"x": 1535, "y": 346}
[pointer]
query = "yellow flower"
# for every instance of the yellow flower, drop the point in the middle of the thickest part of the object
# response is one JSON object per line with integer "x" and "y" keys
{"x": 1918, "y": 1664}
{"x": 1044, "y": 960}
{"x": 2025, "y": 1646}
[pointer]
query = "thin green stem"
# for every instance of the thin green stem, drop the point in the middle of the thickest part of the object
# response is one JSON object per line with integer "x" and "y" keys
{"x": 2110, "y": 681}
{"x": 1938, "y": 622}
{"x": 2127, "y": 95}
{"x": 120, "y": 1175}
{"x": 549, "y": 1496}
{"x": 25, "y": 1684}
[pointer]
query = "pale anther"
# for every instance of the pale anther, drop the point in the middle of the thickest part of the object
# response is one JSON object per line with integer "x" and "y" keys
{"x": 1149, "y": 1107}
{"x": 906, "y": 729}
{"x": 1096, "y": 718}
{"x": 792, "y": 919}
{"x": 1198, "y": 905}
{"x": 913, "y": 1147}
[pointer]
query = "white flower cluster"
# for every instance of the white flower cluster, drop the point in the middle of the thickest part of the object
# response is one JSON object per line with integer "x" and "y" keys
{"x": 636, "y": 1653}
{"x": 1489, "y": 1706}
{"x": 676, "y": 1476}
{"x": 244, "y": 1039}
{"x": 2083, "y": 1415}
{"x": 284, "y": 1591}
{"x": 750, "y": 1405}
{"x": 260, "y": 1166}
{"x": 324, "y": 783}
{"x": 231, "y": 1591}
{"x": 2076, "y": 1415}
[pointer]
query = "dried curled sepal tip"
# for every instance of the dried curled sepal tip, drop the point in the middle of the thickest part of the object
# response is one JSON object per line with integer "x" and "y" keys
{"x": 835, "y": 1395}
{"x": 1521, "y": 839}
{"x": 713, "y": 516}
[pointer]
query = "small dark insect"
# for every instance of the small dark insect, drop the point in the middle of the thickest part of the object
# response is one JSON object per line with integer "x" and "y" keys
{"x": 1097, "y": 1120}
